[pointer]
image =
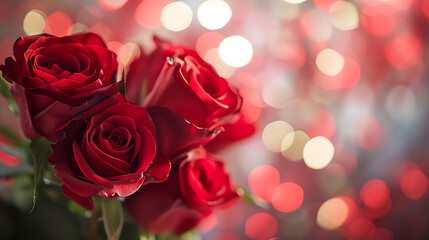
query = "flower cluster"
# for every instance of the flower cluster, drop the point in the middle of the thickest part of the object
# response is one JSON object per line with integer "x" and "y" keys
{"x": 146, "y": 143}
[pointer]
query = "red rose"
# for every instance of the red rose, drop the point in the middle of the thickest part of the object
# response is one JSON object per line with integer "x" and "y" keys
{"x": 160, "y": 207}
{"x": 178, "y": 79}
{"x": 194, "y": 189}
{"x": 204, "y": 182}
{"x": 56, "y": 78}
{"x": 111, "y": 155}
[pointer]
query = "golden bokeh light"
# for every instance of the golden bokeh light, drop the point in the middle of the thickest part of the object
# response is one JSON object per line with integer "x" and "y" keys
{"x": 176, "y": 16}
{"x": 318, "y": 152}
{"x": 293, "y": 144}
{"x": 344, "y": 15}
{"x": 34, "y": 22}
{"x": 329, "y": 62}
{"x": 332, "y": 214}
{"x": 274, "y": 133}
{"x": 214, "y": 14}
{"x": 236, "y": 51}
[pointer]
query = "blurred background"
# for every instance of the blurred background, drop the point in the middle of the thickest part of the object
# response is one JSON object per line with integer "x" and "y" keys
{"x": 336, "y": 92}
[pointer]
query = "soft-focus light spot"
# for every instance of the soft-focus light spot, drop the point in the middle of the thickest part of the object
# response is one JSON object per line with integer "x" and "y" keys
{"x": 277, "y": 93}
{"x": 261, "y": 226}
{"x": 34, "y": 22}
{"x": 344, "y": 15}
{"x": 325, "y": 4}
{"x": 318, "y": 152}
{"x": 293, "y": 145}
{"x": 352, "y": 209}
{"x": 316, "y": 25}
{"x": 111, "y": 5}
{"x": 375, "y": 194}
{"x": 236, "y": 51}
{"x": 347, "y": 78}
{"x": 79, "y": 27}
{"x": 9, "y": 160}
{"x": 425, "y": 8}
{"x": 127, "y": 52}
{"x": 332, "y": 214}
{"x": 376, "y": 20}
{"x": 404, "y": 51}
{"x": 214, "y": 14}
{"x": 176, "y": 16}
{"x": 274, "y": 133}
{"x": 401, "y": 103}
{"x": 59, "y": 24}
{"x": 414, "y": 184}
{"x": 321, "y": 123}
{"x": 287, "y": 197}
{"x": 212, "y": 57}
{"x": 295, "y": 1}
{"x": 207, "y": 41}
{"x": 329, "y": 62}
{"x": 368, "y": 133}
{"x": 263, "y": 180}
{"x": 148, "y": 13}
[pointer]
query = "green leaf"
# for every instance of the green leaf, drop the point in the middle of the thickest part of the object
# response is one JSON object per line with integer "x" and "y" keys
{"x": 113, "y": 217}
{"x": 248, "y": 198}
{"x": 4, "y": 90}
{"x": 40, "y": 151}
{"x": 143, "y": 90}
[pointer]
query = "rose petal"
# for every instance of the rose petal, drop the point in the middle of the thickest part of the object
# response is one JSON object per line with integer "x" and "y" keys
{"x": 85, "y": 202}
{"x": 176, "y": 135}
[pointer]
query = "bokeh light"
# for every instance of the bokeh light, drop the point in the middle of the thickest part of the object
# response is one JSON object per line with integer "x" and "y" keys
{"x": 274, "y": 133}
{"x": 261, "y": 226}
{"x": 236, "y": 51}
{"x": 59, "y": 24}
{"x": 414, "y": 184}
{"x": 277, "y": 92}
{"x": 344, "y": 15}
{"x": 214, "y": 14}
{"x": 287, "y": 197}
{"x": 318, "y": 152}
{"x": 148, "y": 13}
{"x": 263, "y": 180}
{"x": 332, "y": 214}
{"x": 375, "y": 194}
{"x": 176, "y": 16}
{"x": 111, "y": 5}
{"x": 330, "y": 62}
{"x": 34, "y": 22}
{"x": 293, "y": 144}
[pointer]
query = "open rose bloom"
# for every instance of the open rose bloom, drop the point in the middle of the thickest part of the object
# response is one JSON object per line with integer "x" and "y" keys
{"x": 107, "y": 144}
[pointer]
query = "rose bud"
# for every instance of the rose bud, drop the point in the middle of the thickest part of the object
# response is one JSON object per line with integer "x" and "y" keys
{"x": 160, "y": 207}
{"x": 204, "y": 182}
{"x": 56, "y": 78}
{"x": 110, "y": 155}
{"x": 179, "y": 79}
{"x": 193, "y": 190}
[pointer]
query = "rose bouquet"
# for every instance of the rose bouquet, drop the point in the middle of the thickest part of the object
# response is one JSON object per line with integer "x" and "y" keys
{"x": 136, "y": 142}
